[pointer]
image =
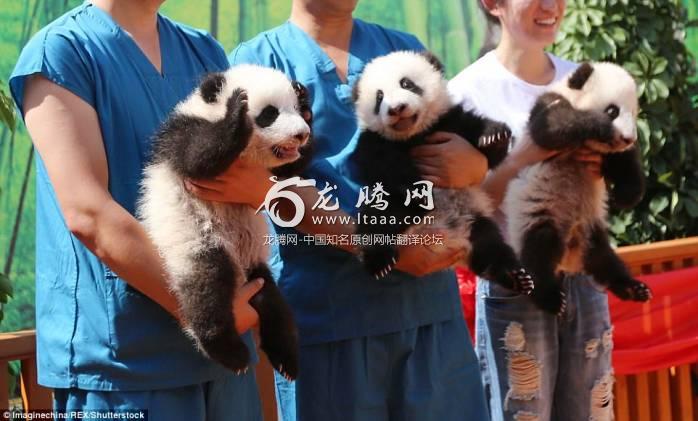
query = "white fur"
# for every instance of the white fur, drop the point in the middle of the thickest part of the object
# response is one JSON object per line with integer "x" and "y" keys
{"x": 385, "y": 73}
{"x": 180, "y": 224}
{"x": 562, "y": 185}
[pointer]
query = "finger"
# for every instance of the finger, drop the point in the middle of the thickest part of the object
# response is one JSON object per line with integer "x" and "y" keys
{"x": 440, "y": 137}
{"x": 249, "y": 289}
{"x": 425, "y": 151}
{"x": 428, "y": 168}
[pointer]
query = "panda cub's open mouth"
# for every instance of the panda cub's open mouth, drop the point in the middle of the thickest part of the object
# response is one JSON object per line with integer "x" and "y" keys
{"x": 404, "y": 123}
{"x": 286, "y": 151}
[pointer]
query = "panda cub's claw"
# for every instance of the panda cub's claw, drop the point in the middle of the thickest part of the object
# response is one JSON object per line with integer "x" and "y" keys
{"x": 523, "y": 282}
{"x": 631, "y": 290}
{"x": 379, "y": 261}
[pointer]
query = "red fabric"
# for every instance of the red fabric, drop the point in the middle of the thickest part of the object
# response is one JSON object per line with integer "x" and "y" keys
{"x": 662, "y": 332}
{"x": 466, "y": 288}
{"x": 658, "y": 334}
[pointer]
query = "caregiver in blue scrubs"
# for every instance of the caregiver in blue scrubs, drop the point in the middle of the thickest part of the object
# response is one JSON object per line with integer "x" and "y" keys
{"x": 93, "y": 86}
{"x": 394, "y": 349}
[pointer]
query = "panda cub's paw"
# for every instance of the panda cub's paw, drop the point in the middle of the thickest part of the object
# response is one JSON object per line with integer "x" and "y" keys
{"x": 631, "y": 290}
{"x": 379, "y": 260}
{"x": 494, "y": 142}
{"x": 237, "y": 108}
{"x": 522, "y": 280}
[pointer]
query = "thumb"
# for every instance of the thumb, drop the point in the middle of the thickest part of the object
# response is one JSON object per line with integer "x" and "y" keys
{"x": 249, "y": 289}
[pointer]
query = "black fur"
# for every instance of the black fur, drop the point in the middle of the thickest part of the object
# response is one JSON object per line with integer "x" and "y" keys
{"x": 606, "y": 267}
{"x": 490, "y": 256}
{"x": 434, "y": 61}
{"x": 207, "y": 308}
{"x": 623, "y": 172}
{"x": 555, "y": 124}
{"x": 542, "y": 250}
{"x": 211, "y": 87}
{"x": 198, "y": 148}
{"x": 267, "y": 117}
{"x": 277, "y": 330}
{"x": 580, "y": 76}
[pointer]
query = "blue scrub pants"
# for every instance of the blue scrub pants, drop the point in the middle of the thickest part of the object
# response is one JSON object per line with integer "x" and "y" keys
{"x": 231, "y": 398}
{"x": 422, "y": 374}
{"x": 536, "y": 365}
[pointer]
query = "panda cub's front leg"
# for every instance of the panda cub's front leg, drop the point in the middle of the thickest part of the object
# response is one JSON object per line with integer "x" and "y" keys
{"x": 277, "y": 329}
{"x": 205, "y": 295}
{"x": 494, "y": 142}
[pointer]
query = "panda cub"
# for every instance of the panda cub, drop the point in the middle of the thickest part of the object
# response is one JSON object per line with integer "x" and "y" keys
{"x": 556, "y": 210}
{"x": 209, "y": 248}
{"x": 400, "y": 99}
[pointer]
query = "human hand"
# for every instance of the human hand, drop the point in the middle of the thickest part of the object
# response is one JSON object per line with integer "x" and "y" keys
{"x": 240, "y": 183}
{"x": 526, "y": 153}
{"x": 449, "y": 161}
{"x": 590, "y": 159}
{"x": 246, "y": 316}
{"x": 420, "y": 260}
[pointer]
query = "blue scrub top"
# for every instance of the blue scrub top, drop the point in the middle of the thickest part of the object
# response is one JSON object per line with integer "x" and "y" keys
{"x": 332, "y": 295}
{"x": 95, "y": 331}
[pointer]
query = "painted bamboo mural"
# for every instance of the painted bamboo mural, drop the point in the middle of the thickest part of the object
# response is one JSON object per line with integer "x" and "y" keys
{"x": 453, "y": 29}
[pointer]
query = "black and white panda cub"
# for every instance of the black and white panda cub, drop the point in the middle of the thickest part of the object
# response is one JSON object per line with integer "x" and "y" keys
{"x": 251, "y": 113}
{"x": 400, "y": 99}
{"x": 556, "y": 210}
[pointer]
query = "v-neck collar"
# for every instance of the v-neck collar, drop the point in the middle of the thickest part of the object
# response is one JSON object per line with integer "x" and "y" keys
{"x": 137, "y": 53}
{"x": 323, "y": 62}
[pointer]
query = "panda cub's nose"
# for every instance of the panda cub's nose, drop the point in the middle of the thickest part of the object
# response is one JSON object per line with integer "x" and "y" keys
{"x": 302, "y": 137}
{"x": 396, "y": 110}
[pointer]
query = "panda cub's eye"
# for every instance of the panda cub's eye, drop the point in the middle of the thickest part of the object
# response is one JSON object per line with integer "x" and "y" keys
{"x": 613, "y": 111}
{"x": 267, "y": 117}
{"x": 406, "y": 83}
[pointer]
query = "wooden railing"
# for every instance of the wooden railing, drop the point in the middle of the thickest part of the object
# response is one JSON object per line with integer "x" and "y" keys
{"x": 662, "y": 395}
{"x": 21, "y": 346}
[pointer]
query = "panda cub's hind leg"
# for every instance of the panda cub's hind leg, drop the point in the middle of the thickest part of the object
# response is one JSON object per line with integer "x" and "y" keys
{"x": 541, "y": 252}
{"x": 605, "y": 266}
{"x": 277, "y": 329}
{"x": 206, "y": 301}
{"x": 493, "y": 259}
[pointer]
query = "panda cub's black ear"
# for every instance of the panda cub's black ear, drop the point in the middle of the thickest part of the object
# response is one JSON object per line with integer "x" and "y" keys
{"x": 580, "y": 76}
{"x": 303, "y": 101}
{"x": 355, "y": 92}
{"x": 433, "y": 60}
{"x": 211, "y": 86}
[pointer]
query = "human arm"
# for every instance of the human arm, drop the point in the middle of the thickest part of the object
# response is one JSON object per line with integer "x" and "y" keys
{"x": 65, "y": 131}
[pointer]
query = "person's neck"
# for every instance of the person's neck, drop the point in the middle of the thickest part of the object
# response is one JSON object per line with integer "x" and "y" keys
{"x": 325, "y": 28}
{"x": 137, "y": 17}
{"x": 529, "y": 63}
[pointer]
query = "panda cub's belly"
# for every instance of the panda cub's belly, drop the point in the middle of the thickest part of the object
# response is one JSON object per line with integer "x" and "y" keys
{"x": 562, "y": 192}
{"x": 453, "y": 214}
{"x": 242, "y": 233}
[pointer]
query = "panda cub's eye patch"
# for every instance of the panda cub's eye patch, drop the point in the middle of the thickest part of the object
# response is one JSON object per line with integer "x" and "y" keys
{"x": 267, "y": 117}
{"x": 379, "y": 101}
{"x": 406, "y": 83}
{"x": 613, "y": 111}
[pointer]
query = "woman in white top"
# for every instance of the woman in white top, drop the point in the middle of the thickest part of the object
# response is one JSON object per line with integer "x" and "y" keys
{"x": 535, "y": 365}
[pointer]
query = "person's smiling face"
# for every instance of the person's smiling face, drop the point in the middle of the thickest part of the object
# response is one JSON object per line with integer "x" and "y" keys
{"x": 533, "y": 22}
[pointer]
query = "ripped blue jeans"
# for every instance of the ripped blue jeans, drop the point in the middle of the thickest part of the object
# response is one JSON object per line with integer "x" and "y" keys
{"x": 539, "y": 367}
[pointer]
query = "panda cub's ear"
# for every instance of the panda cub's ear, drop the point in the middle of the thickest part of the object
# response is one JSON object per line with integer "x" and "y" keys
{"x": 211, "y": 86}
{"x": 433, "y": 60}
{"x": 580, "y": 76}
{"x": 303, "y": 101}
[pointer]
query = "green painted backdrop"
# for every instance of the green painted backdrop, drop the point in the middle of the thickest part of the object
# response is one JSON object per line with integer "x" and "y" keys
{"x": 453, "y": 29}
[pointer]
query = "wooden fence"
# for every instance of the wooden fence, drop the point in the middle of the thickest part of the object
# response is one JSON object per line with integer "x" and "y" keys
{"x": 662, "y": 395}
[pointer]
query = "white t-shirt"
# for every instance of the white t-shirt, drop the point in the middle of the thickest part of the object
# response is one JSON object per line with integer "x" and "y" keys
{"x": 487, "y": 87}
